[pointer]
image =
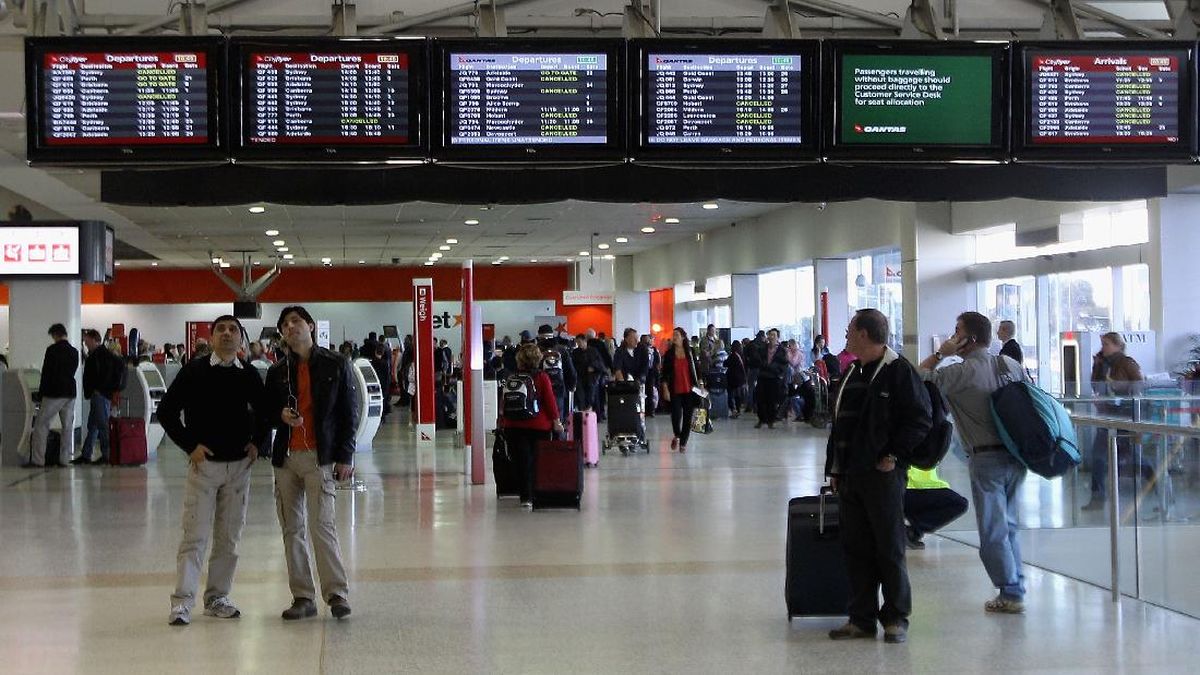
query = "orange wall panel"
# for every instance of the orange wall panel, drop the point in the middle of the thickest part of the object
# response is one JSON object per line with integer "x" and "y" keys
{"x": 582, "y": 317}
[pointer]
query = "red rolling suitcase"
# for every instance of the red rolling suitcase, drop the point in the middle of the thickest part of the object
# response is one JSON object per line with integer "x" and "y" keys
{"x": 558, "y": 475}
{"x": 127, "y": 441}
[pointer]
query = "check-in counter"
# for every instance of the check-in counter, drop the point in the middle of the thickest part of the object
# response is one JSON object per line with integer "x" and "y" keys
{"x": 144, "y": 388}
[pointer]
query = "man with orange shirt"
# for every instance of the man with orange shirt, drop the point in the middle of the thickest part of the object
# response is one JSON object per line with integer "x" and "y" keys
{"x": 313, "y": 402}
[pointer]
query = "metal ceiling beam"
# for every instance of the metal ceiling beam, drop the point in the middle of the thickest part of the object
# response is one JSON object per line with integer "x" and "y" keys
{"x": 1183, "y": 15}
{"x": 1060, "y": 22}
{"x": 460, "y": 9}
{"x": 1119, "y": 21}
{"x": 491, "y": 20}
{"x": 154, "y": 24}
{"x": 839, "y": 9}
{"x": 780, "y": 22}
{"x": 345, "y": 18}
{"x": 1066, "y": 12}
{"x": 922, "y": 21}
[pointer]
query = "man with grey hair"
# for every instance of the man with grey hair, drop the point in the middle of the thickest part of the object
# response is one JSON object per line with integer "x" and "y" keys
{"x": 1006, "y": 333}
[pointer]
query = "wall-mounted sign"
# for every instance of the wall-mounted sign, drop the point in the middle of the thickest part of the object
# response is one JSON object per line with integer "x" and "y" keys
{"x": 573, "y": 298}
{"x": 39, "y": 251}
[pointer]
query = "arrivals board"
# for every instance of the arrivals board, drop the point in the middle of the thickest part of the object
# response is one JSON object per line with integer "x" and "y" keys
{"x": 915, "y": 101}
{"x": 724, "y": 98}
{"x": 529, "y": 100}
{"x": 1104, "y": 100}
{"x": 124, "y": 99}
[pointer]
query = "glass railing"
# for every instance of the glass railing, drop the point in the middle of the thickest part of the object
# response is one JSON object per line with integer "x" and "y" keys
{"x": 1128, "y": 518}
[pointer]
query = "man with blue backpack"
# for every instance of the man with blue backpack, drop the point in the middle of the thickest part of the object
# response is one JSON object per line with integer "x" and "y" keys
{"x": 996, "y": 474}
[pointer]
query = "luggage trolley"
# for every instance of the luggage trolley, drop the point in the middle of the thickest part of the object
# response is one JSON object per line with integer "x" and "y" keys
{"x": 626, "y": 425}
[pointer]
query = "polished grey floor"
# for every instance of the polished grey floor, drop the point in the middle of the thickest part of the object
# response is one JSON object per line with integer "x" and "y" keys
{"x": 674, "y": 565}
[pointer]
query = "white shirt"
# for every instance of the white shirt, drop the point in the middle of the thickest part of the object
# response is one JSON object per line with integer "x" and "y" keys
{"x": 216, "y": 362}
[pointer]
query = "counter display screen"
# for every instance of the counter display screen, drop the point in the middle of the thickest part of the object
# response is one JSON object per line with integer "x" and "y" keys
{"x": 527, "y": 99}
{"x": 916, "y": 100}
{"x": 128, "y": 98}
{"x": 1105, "y": 99}
{"x": 723, "y": 99}
{"x": 326, "y": 98}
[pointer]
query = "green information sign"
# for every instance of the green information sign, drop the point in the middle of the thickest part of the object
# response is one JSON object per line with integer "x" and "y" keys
{"x": 890, "y": 99}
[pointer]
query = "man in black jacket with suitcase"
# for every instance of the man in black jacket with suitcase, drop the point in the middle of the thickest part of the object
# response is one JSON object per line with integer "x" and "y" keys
{"x": 882, "y": 413}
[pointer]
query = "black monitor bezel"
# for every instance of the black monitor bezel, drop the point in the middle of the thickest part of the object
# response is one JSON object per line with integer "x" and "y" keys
{"x": 416, "y": 150}
{"x": 1023, "y": 150}
{"x": 835, "y": 151}
{"x": 215, "y": 151}
{"x": 807, "y": 151}
{"x": 613, "y": 151}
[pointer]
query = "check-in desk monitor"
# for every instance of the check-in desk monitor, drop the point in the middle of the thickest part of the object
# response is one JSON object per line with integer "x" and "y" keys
{"x": 370, "y": 404}
{"x": 144, "y": 388}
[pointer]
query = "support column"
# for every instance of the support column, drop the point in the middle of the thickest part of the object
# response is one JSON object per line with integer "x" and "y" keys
{"x": 830, "y": 275}
{"x": 934, "y": 280}
{"x": 745, "y": 301}
{"x": 1174, "y": 302}
{"x": 423, "y": 344}
{"x": 473, "y": 386}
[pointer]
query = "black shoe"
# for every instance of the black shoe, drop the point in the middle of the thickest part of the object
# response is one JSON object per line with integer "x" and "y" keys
{"x": 80, "y": 460}
{"x": 913, "y": 539}
{"x": 31, "y": 465}
{"x": 301, "y": 608}
{"x": 850, "y": 631}
{"x": 339, "y": 607}
{"x": 895, "y": 635}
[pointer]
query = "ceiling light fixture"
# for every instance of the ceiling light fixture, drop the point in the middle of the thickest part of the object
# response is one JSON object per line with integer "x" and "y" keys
{"x": 288, "y": 256}
{"x": 216, "y": 261}
{"x": 279, "y": 242}
{"x": 291, "y": 262}
{"x": 435, "y": 256}
{"x": 609, "y": 256}
{"x": 362, "y": 262}
{"x": 326, "y": 261}
{"x": 603, "y": 247}
{"x": 471, "y": 222}
{"x": 272, "y": 233}
{"x": 428, "y": 263}
{"x": 584, "y": 253}
{"x": 257, "y": 209}
{"x": 226, "y": 265}
{"x": 283, "y": 249}
{"x": 257, "y": 263}
{"x": 671, "y": 221}
{"x": 710, "y": 206}
{"x": 497, "y": 262}
{"x": 533, "y": 260}
{"x": 118, "y": 263}
{"x": 622, "y": 240}
{"x": 648, "y": 230}
{"x": 444, "y": 247}
{"x": 502, "y": 258}
{"x": 451, "y": 241}
{"x": 154, "y": 264}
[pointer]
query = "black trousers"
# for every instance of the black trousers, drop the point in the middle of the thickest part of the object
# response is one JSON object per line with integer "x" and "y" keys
{"x": 600, "y": 397}
{"x": 522, "y": 447}
{"x": 682, "y": 406}
{"x": 768, "y": 398}
{"x": 931, "y": 510}
{"x": 872, "y": 522}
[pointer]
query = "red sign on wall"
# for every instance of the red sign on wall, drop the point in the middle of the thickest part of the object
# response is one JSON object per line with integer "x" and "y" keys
{"x": 423, "y": 343}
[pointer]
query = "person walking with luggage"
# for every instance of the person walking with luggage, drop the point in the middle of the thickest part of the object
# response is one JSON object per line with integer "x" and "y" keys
{"x": 56, "y": 391}
{"x": 588, "y": 368}
{"x": 995, "y": 474}
{"x": 678, "y": 378}
{"x": 1114, "y": 374}
{"x": 882, "y": 413}
{"x": 929, "y": 505}
{"x": 601, "y": 347}
{"x": 772, "y": 380}
{"x": 312, "y": 401}
{"x": 102, "y": 375}
{"x": 736, "y": 377}
{"x": 558, "y": 365}
{"x": 524, "y": 430}
{"x": 221, "y": 430}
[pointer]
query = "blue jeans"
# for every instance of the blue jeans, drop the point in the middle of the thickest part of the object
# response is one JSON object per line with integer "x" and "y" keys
{"x": 97, "y": 426}
{"x": 995, "y": 478}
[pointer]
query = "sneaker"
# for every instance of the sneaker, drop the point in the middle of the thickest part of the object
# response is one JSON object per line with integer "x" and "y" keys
{"x": 527, "y": 506}
{"x": 850, "y": 632}
{"x": 913, "y": 539}
{"x": 1003, "y": 605}
{"x": 221, "y": 608}
{"x": 895, "y": 634}
{"x": 339, "y": 607}
{"x": 180, "y": 616}
{"x": 301, "y": 608}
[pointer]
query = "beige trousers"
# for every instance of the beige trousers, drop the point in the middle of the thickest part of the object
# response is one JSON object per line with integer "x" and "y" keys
{"x": 214, "y": 505}
{"x": 304, "y": 495}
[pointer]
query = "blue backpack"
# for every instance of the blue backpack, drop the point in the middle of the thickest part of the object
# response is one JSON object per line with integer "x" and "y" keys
{"x": 1035, "y": 428}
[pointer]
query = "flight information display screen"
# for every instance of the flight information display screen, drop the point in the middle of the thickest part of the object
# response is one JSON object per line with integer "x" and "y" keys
{"x": 915, "y": 100}
{"x": 527, "y": 98}
{"x": 1105, "y": 98}
{"x": 326, "y": 98}
{"x": 124, "y": 97}
{"x": 723, "y": 99}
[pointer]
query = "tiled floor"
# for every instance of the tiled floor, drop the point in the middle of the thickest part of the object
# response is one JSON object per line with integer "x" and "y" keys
{"x": 674, "y": 565}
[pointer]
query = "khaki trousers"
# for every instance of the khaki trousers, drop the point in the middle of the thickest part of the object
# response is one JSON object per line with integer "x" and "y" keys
{"x": 304, "y": 495}
{"x": 64, "y": 410}
{"x": 214, "y": 505}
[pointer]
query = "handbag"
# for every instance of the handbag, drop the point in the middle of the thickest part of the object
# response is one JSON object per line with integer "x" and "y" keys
{"x": 700, "y": 422}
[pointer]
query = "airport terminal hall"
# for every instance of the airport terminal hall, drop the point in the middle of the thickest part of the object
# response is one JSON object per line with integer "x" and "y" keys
{"x": 599, "y": 336}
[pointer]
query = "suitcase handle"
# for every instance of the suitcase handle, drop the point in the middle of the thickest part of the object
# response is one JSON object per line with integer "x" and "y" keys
{"x": 826, "y": 490}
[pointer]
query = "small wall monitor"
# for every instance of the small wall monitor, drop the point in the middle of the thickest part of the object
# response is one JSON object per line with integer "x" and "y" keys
{"x": 724, "y": 100}
{"x": 1104, "y": 100}
{"x": 124, "y": 101}
{"x": 329, "y": 99}
{"x": 517, "y": 100}
{"x": 912, "y": 101}
{"x": 41, "y": 251}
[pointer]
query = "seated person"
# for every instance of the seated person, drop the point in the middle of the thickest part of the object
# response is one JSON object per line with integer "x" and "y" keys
{"x": 929, "y": 505}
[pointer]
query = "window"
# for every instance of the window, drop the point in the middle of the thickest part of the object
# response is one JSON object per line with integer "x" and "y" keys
{"x": 787, "y": 301}
{"x": 873, "y": 281}
{"x": 1122, "y": 225}
{"x": 1135, "y": 297}
{"x": 1014, "y": 300}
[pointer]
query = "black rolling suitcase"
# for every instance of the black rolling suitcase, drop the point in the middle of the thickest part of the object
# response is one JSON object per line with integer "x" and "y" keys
{"x": 816, "y": 582}
{"x": 504, "y": 469}
{"x": 624, "y": 414}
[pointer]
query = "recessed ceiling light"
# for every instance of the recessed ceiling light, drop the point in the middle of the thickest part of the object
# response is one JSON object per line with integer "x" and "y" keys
{"x": 502, "y": 258}
{"x": 288, "y": 256}
{"x": 603, "y": 247}
{"x": 584, "y": 253}
{"x": 452, "y": 241}
{"x": 257, "y": 209}
{"x": 283, "y": 249}
{"x": 154, "y": 264}
{"x": 272, "y": 233}
{"x": 470, "y": 221}
{"x": 609, "y": 256}
{"x": 291, "y": 262}
{"x": 362, "y": 262}
{"x": 435, "y": 256}
{"x": 648, "y": 230}
{"x": 226, "y": 265}
{"x": 671, "y": 221}
{"x": 279, "y": 242}
{"x": 326, "y": 261}
{"x": 533, "y": 260}
{"x": 622, "y": 240}
{"x": 444, "y": 247}
{"x": 216, "y": 261}
{"x": 428, "y": 263}
{"x": 711, "y": 206}
{"x": 257, "y": 263}
{"x": 497, "y": 262}
{"x": 118, "y": 263}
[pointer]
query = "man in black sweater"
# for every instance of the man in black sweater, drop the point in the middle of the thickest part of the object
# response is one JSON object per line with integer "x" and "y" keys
{"x": 101, "y": 379}
{"x": 223, "y": 428}
{"x": 56, "y": 391}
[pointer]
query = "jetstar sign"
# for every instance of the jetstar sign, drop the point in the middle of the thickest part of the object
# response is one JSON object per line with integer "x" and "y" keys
{"x": 447, "y": 320}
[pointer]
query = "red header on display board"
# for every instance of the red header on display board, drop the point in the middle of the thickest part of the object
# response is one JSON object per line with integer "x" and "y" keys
{"x": 1094, "y": 63}
{"x": 125, "y": 60}
{"x": 330, "y": 61}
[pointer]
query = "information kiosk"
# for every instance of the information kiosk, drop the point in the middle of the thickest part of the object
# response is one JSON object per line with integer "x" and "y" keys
{"x": 370, "y": 405}
{"x": 144, "y": 388}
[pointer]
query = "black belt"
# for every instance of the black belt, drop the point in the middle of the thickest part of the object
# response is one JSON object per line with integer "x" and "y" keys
{"x": 989, "y": 448}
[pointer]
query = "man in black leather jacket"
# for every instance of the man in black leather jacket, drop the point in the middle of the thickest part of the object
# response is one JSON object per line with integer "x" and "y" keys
{"x": 312, "y": 401}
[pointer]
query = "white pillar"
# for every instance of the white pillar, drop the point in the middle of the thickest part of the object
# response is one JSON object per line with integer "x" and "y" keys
{"x": 1174, "y": 302}
{"x": 33, "y": 306}
{"x": 934, "y": 278}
